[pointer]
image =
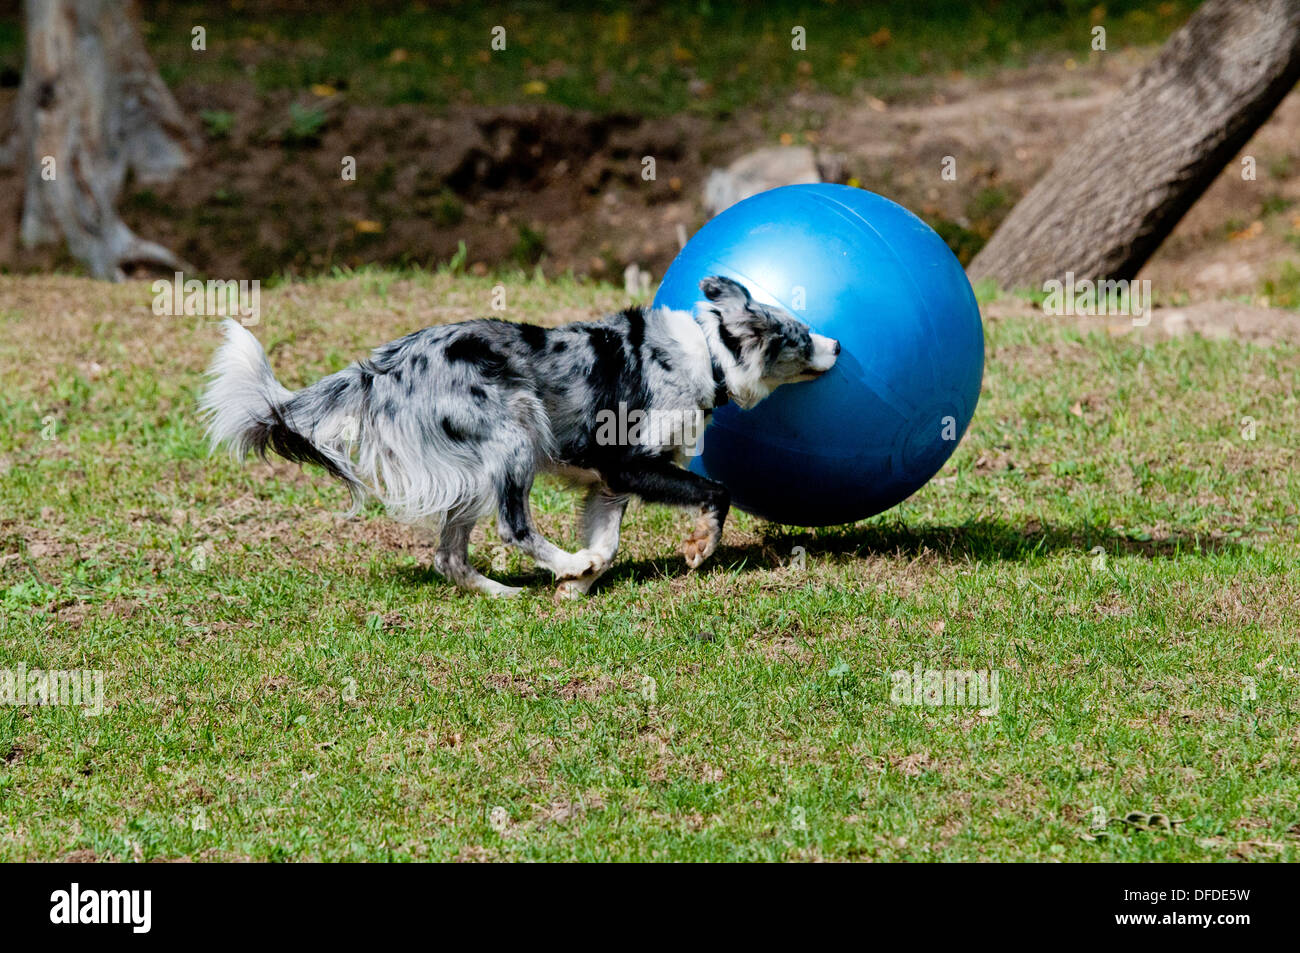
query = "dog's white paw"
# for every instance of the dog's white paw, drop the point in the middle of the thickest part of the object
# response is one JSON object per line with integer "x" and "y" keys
{"x": 585, "y": 562}
{"x": 498, "y": 591}
{"x": 573, "y": 589}
{"x": 701, "y": 544}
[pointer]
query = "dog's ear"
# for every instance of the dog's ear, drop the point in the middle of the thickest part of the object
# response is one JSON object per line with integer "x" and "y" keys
{"x": 731, "y": 295}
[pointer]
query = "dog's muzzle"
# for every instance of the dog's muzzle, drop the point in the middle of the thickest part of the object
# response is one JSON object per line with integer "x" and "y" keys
{"x": 825, "y": 352}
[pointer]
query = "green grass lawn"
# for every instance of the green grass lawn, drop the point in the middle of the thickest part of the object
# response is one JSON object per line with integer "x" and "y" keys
{"x": 281, "y": 684}
{"x": 654, "y": 59}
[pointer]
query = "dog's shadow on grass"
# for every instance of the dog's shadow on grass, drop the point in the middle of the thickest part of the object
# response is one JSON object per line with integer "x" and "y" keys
{"x": 991, "y": 540}
{"x": 977, "y": 540}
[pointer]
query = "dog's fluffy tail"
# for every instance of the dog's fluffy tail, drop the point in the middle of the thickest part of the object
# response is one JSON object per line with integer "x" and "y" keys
{"x": 249, "y": 411}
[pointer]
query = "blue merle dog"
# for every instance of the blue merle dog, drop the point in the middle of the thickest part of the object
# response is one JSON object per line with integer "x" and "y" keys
{"x": 452, "y": 423}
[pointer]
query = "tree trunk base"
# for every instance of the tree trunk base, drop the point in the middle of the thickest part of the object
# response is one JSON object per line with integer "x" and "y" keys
{"x": 92, "y": 109}
{"x": 1119, "y": 189}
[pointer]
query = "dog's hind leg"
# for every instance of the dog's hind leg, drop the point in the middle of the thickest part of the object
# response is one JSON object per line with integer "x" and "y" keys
{"x": 601, "y": 519}
{"x": 515, "y": 524}
{"x": 452, "y": 560}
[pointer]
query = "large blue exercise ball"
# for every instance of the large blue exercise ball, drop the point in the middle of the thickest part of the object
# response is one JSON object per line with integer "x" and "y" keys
{"x": 871, "y": 431}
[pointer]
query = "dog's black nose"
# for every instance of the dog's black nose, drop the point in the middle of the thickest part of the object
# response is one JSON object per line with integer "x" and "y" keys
{"x": 837, "y": 348}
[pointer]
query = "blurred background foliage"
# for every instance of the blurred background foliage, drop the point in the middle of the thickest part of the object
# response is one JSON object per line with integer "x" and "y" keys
{"x": 639, "y": 58}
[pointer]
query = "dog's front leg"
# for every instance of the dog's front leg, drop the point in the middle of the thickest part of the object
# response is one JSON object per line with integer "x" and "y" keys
{"x": 602, "y": 516}
{"x": 662, "y": 482}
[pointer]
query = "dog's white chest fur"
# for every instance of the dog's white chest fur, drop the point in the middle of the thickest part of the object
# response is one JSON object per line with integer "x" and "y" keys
{"x": 694, "y": 348}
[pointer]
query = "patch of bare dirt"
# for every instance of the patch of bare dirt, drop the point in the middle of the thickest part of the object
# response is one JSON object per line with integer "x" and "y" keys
{"x": 475, "y": 854}
{"x": 582, "y": 689}
{"x": 19, "y": 541}
{"x": 1005, "y": 130}
{"x": 517, "y": 185}
{"x": 524, "y": 184}
{"x": 506, "y": 682}
{"x": 563, "y": 810}
{"x": 912, "y": 765}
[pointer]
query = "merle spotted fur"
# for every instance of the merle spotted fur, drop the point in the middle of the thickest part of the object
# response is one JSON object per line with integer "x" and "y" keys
{"x": 451, "y": 423}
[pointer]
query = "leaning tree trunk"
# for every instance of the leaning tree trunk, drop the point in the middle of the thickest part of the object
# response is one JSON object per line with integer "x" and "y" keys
{"x": 91, "y": 108}
{"x": 1121, "y": 186}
